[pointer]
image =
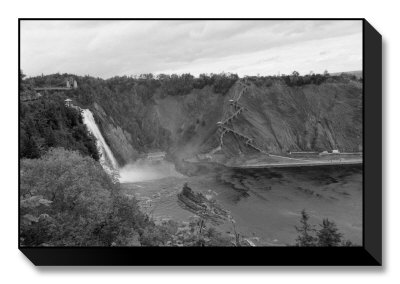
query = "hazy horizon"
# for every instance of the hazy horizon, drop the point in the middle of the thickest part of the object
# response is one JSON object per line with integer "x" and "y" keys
{"x": 197, "y": 75}
{"x": 111, "y": 48}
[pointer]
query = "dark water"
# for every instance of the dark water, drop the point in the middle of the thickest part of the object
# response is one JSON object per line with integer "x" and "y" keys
{"x": 266, "y": 203}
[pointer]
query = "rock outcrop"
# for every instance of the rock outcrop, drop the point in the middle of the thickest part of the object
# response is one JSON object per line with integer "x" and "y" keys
{"x": 119, "y": 140}
{"x": 204, "y": 206}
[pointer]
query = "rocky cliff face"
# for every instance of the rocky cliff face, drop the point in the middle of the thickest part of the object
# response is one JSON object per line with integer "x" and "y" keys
{"x": 278, "y": 118}
{"x": 307, "y": 118}
{"x": 192, "y": 121}
{"x": 119, "y": 140}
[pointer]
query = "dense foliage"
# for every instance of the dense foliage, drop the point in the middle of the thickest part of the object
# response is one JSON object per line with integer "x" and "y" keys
{"x": 47, "y": 122}
{"x": 141, "y": 87}
{"x": 295, "y": 79}
{"x": 24, "y": 86}
{"x": 55, "y": 80}
{"x": 183, "y": 84}
{"x": 67, "y": 199}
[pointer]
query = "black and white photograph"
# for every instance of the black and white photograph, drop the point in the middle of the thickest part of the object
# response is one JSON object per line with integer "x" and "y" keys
{"x": 191, "y": 133}
{"x": 199, "y": 142}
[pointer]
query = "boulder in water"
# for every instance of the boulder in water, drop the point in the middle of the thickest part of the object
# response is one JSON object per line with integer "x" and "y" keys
{"x": 201, "y": 206}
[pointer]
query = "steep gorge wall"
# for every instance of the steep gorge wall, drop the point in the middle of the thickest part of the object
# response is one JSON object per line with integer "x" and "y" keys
{"x": 192, "y": 121}
{"x": 129, "y": 140}
{"x": 307, "y": 118}
{"x": 119, "y": 140}
{"x": 279, "y": 118}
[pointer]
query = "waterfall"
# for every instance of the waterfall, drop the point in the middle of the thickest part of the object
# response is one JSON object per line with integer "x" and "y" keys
{"x": 107, "y": 158}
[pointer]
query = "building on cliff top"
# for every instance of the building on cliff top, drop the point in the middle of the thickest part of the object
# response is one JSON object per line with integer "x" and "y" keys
{"x": 68, "y": 102}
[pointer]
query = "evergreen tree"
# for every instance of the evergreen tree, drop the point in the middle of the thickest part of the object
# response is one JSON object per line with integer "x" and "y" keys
{"x": 21, "y": 78}
{"x": 46, "y": 123}
{"x": 28, "y": 147}
{"x": 306, "y": 231}
{"x": 328, "y": 235}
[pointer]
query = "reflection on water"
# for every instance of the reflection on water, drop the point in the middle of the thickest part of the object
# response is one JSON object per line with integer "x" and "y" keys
{"x": 266, "y": 203}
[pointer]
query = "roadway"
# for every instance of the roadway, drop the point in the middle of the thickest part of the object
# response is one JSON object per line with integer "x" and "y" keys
{"x": 305, "y": 163}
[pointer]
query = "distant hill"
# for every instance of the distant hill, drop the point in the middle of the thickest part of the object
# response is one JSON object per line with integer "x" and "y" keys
{"x": 358, "y": 74}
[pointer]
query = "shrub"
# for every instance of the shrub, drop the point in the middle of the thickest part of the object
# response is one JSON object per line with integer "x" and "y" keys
{"x": 69, "y": 200}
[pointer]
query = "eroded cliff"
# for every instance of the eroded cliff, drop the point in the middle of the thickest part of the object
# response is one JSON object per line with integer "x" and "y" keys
{"x": 274, "y": 116}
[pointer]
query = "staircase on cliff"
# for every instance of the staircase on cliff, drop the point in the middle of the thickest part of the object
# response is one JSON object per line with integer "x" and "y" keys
{"x": 226, "y": 126}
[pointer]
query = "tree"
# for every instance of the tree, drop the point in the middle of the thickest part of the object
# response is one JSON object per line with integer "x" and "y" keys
{"x": 21, "y": 78}
{"x": 329, "y": 235}
{"x": 69, "y": 200}
{"x": 28, "y": 147}
{"x": 223, "y": 82}
{"x": 80, "y": 195}
{"x": 49, "y": 123}
{"x": 25, "y": 87}
{"x": 306, "y": 231}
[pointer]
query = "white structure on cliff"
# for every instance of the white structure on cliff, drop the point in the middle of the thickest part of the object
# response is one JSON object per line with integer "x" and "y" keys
{"x": 71, "y": 83}
{"x": 68, "y": 102}
{"x": 156, "y": 156}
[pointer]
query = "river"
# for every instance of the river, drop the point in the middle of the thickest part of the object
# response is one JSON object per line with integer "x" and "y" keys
{"x": 265, "y": 203}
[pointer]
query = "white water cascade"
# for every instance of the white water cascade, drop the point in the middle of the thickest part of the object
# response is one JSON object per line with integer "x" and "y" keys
{"x": 107, "y": 158}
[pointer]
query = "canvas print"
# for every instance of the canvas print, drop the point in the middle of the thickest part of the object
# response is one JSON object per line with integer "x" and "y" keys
{"x": 181, "y": 133}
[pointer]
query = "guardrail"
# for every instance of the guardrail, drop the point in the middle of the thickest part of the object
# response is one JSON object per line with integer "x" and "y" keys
{"x": 52, "y": 89}
{"x": 235, "y": 103}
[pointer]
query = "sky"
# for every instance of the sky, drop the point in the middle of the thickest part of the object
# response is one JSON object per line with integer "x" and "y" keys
{"x": 116, "y": 48}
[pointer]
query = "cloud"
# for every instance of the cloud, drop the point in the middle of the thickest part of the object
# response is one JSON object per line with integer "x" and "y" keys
{"x": 109, "y": 48}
